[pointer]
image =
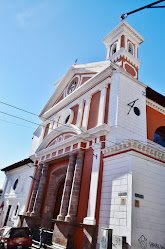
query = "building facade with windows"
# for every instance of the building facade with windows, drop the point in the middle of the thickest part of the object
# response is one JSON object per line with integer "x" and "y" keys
{"x": 15, "y": 193}
{"x": 99, "y": 153}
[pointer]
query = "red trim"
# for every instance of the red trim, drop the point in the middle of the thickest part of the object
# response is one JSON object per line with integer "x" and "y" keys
{"x": 137, "y": 152}
{"x": 79, "y": 96}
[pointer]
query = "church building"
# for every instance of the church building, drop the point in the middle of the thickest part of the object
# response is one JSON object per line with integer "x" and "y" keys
{"x": 99, "y": 154}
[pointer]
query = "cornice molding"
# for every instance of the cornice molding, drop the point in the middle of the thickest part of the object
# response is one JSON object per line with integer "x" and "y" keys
{"x": 99, "y": 77}
{"x": 126, "y": 74}
{"x": 124, "y": 53}
{"x": 84, "y": 137}
{"x": 136, "y": 146}
{"x": 123, "y": 27}
{"x": 155, "y": 106}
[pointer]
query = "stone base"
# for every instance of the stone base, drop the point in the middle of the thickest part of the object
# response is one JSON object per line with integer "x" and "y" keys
{"x": 28, "y": 221}
{"x": 89, "y": 237}
{"x": 64, "y": 235}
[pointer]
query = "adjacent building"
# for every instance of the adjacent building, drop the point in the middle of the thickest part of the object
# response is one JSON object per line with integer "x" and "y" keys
{"x": 99, "y": 153}
{"x": 16, "y": 191}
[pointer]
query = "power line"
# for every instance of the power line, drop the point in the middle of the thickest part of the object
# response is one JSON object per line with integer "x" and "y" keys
{"x": 15, "y": 123}
{"x": 20, "y": 109}
{"x": 65, "y": 125}
{"x": 1, "y": 102}
{"x": 123, "y": 16}
{"x": 19, "y": 118}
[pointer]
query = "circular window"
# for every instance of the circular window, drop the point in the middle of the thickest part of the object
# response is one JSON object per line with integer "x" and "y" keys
{"x": 72, "y": 86}
{"x": 66, "y": 117}
{"x": 136, "y": 111}
{"x": 15, "y": 184}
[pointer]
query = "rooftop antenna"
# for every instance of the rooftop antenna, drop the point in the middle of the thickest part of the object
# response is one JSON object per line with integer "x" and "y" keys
{"x": 151, "y": 5}
{"x": 76, "y": 61}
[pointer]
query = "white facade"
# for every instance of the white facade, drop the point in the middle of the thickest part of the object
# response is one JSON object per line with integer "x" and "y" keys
{"x": 15, "y": 193}
{"x": 126, "y": 165}
{"x": 132, "y": 197}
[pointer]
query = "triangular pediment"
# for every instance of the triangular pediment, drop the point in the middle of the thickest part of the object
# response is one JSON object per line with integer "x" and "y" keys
{"x": 79, "y": 73}
{"x": 58, "y": 136}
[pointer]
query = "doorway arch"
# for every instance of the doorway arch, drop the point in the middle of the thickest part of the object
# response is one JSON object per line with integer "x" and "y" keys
{"x": 55, "y": 190}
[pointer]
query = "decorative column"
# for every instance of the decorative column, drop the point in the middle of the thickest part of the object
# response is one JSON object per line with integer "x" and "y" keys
{"x": 51, "y": 126}
{"x": 80, "y": 113}
{"x": 108, "y": 52}
{"x": 36, "y": 184}
{"x": 67, "y": 188}
{"x": 74, "y": 197}
{"x": 40, "y": 194}
{"x": 90, "y": 219}
{"x": 126, "y": 43}
{"x": 86, "y": 112}
{"x": 101, "y": 114}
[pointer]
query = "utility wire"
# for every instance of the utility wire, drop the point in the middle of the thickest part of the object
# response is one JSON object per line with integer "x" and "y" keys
{"x": 123, "y": 16}
{"x": 15, "y": 123}
{"x": 65, "y": 125}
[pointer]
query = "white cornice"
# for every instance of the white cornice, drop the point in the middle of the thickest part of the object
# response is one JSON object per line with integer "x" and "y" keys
{"x": 124, "y": 53}
{"x": 65, "y": 79}
{"x": 145, "y": 149}
{"x": 155, "y": 106}
{"x": 122, "y": 28}
{"x": 85, "y": 136}
{"x": 126, "y": 74}
{"x": 81, "y": 90}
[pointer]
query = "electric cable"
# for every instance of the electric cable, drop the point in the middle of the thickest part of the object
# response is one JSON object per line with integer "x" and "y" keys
{"x": 123, "y": 16}
{"x": 15, "y": 123}
{"x": 106, "y": 140}
{"x": 52, "y": 120}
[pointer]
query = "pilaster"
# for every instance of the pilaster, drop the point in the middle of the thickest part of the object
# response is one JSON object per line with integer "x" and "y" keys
{"x": 86, "y": 112}
{"x": 90, "y": 219}
{"x": 74, "y": 197}
{"x": 67, "y": 188}
{"x": 40, "y": 194}
{"x": 80, "y": 113}
{"x": 101, "y": 114}
{"x": 36, "y": 185}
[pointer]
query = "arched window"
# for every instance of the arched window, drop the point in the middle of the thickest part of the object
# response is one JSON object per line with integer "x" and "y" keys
{"x": 159, "y": 136}
{"x": 114, "y": 48}
{"x": 15, "y": 184}
{"x": 46, "y": 130}
{"x": 130, "y": 48}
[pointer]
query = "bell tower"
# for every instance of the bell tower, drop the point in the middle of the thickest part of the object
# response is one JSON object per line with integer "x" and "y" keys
{"x": 122, "y": 45}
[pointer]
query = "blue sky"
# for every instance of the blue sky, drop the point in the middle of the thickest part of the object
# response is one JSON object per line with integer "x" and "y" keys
{"x": 40, "y": 40}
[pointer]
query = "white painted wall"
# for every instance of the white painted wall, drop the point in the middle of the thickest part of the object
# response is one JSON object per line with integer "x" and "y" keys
{"x": 117, "y": 178}
{"x": 149, "y": 218}
{"x": 123, "y": 125}
{"x": 134, "y": 173}
{"x": 19, "y": 196}
{"x": 37, "y": 138}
